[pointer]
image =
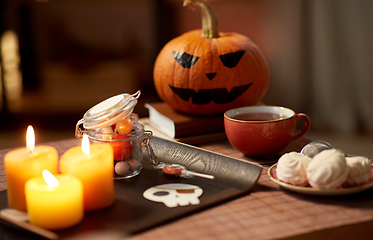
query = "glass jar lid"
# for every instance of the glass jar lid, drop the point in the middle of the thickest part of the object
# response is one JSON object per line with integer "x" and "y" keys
{"x": 110, "y": 111}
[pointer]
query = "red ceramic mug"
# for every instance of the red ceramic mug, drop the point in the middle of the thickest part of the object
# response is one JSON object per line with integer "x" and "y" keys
{"x": 263, "y": 131}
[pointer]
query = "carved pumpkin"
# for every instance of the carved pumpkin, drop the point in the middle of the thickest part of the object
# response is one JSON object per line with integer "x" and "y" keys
{"x": 205, "y": 72}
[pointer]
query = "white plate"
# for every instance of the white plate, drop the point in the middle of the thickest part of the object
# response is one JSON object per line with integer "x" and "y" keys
{"x": 321, "y": 192}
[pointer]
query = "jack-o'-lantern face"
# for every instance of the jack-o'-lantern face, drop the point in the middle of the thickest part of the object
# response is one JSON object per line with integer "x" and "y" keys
{"x": 206, "y": 76}
{"x": 218, "y": 95}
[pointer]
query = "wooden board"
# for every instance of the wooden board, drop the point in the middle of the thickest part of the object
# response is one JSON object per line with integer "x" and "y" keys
{"x": 132, "y": 213}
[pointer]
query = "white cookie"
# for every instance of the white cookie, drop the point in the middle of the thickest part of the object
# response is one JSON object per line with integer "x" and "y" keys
{"x": 360, "y": 171}
{"x": 292, "y": 167}
{"x": 327, "y": 170}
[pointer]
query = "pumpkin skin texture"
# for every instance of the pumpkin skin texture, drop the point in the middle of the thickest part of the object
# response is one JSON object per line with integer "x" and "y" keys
{"x": 205, "y": 76}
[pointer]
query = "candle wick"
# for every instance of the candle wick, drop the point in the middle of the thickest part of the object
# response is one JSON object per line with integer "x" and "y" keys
{"x": 29, "y": 151}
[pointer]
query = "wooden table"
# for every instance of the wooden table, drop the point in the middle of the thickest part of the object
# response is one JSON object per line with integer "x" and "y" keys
{"x": 267, "y": 212}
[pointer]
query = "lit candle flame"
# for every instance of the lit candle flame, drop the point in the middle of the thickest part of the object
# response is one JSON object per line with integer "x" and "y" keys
{"x": 30, "y": 139}
{"x": 86, "y": 148}
{"x": 50, "y": 179}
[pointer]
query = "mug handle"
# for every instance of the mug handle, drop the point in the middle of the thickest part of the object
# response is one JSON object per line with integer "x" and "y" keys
{"x": 306, "y": 127}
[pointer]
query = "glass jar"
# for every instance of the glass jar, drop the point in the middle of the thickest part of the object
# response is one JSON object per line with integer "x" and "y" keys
{"x": 99, "y": 123}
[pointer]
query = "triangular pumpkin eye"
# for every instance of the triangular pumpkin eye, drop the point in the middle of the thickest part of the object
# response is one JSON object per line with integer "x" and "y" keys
{"x": 230, "y": 60}
{"x": 184, "y": 59}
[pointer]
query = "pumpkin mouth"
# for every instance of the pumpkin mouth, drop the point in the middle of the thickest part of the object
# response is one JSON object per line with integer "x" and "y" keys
{"x": 205, "y": 96}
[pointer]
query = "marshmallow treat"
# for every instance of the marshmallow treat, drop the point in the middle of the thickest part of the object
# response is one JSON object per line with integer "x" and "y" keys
{"x": 360, "y": 171}
{"x": 292, "y": 168}
{"x": 327, "y": 170}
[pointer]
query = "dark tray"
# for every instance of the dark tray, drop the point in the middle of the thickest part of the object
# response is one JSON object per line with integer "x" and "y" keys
{"x": 132, "y": 213}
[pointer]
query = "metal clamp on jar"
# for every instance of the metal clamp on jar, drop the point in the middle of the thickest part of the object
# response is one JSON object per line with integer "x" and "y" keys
{"x": 113, "y": 121}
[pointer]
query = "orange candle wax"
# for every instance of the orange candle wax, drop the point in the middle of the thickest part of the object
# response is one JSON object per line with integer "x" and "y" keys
{"x": 25, "y": 163}
{"x": 54, "y": 202}
{"x": 95, "y": 169}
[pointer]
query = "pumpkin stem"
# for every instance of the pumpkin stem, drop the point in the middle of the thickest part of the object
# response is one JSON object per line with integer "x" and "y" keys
{"x": 210, "y": 28}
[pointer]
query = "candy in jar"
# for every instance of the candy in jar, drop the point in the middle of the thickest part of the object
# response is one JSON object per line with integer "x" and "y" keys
{"x": 113, "y": 121}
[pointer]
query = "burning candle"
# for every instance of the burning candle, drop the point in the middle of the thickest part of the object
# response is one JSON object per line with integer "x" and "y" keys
{"x": 54, "y": 202}
{"x": 93, "y": 165}
{"x": 25, "y": 163}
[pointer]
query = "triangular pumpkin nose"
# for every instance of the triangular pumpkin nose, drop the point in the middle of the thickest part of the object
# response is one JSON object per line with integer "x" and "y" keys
{"x": 210, "y": 75}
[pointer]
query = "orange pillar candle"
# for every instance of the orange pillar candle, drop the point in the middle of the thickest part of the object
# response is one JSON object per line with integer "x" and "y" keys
{"x": 25, "y": 163}
{"x": 93, "y": 165}
{"x": 54, "y": 202}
